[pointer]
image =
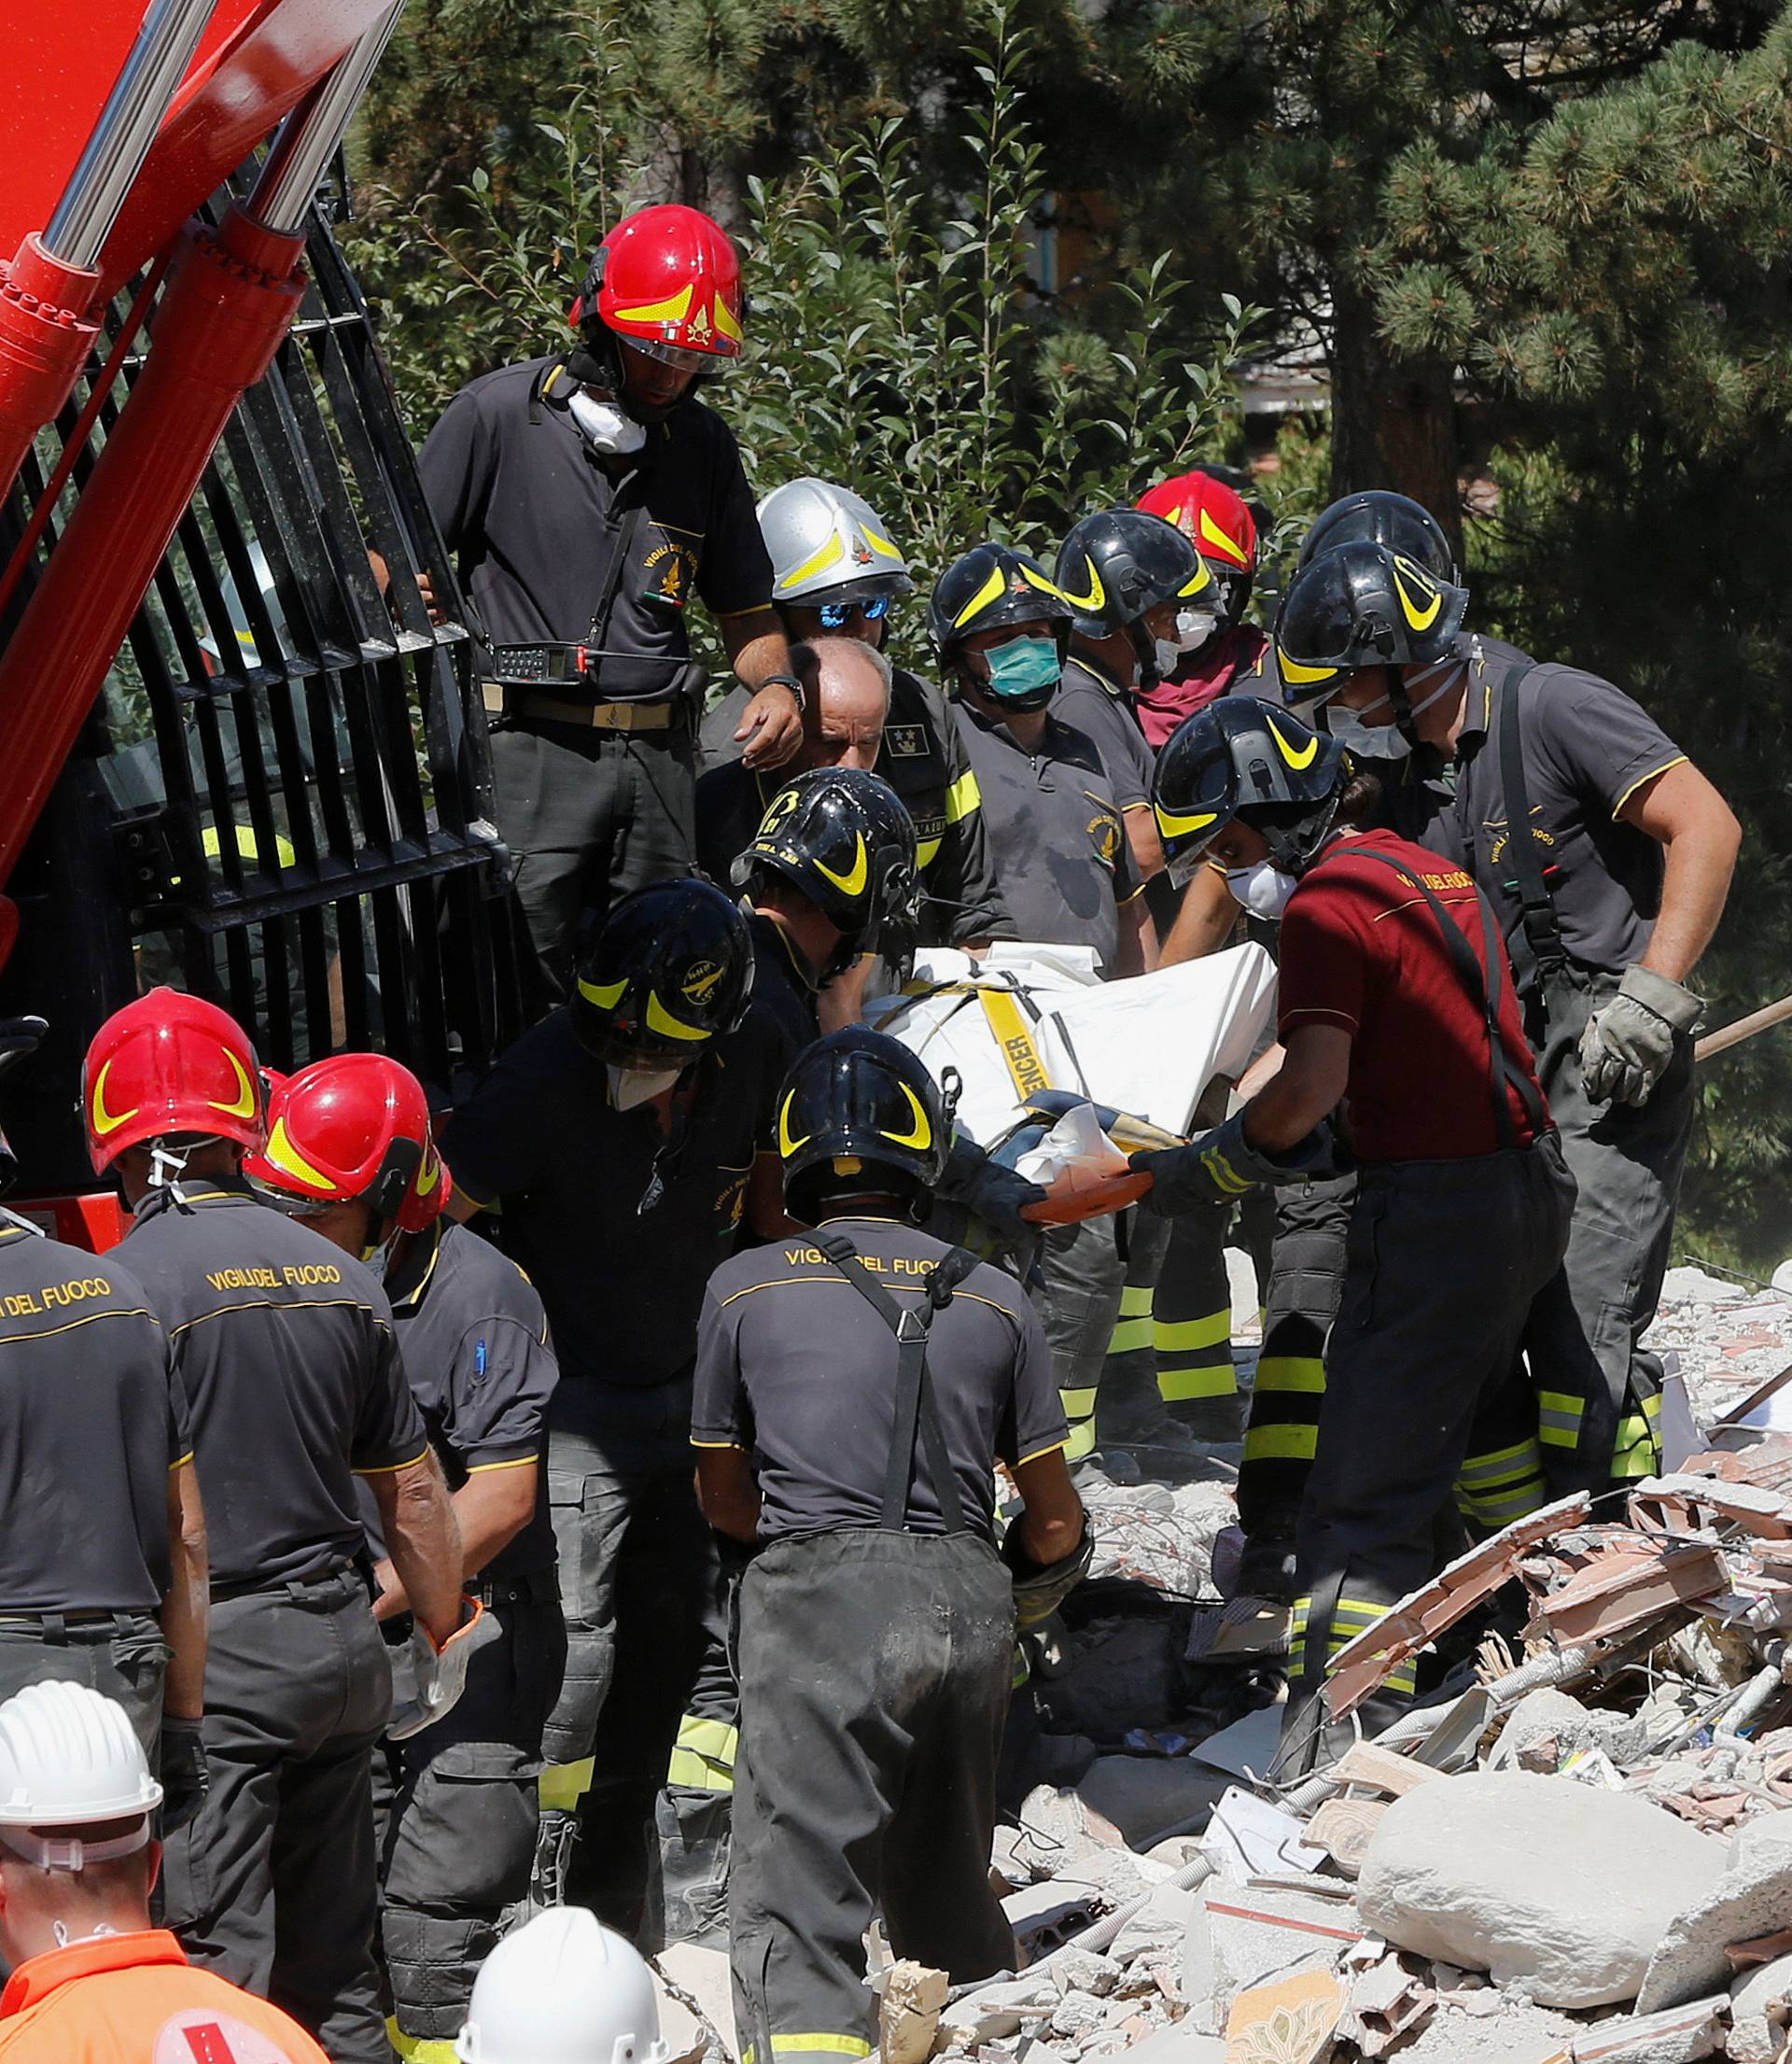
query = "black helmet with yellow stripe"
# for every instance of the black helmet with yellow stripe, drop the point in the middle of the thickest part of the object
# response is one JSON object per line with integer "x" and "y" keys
{"x": 1383, "y": 517}
{"x": 841, "y": 836}
{"x": 859, "y": 1113}
{"x": 1240, "y": 758}
{"x": 1119, "y": 563}
{"x": 669, "y": 969}
{"x": 1361, "y": 605}
{"x": 988, "y": 587}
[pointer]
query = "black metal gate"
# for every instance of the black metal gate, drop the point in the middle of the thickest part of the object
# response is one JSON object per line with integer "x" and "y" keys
{"x": 282, "y": 799}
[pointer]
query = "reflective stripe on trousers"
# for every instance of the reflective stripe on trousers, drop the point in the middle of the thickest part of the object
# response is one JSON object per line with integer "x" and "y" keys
{"x": 1496, "y": 1488}
{"x": 704, "y": 1758}
{"x": 1350, "y": 1617}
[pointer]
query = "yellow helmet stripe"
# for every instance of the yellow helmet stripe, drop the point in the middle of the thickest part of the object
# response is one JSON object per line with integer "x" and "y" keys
{"x": 1293, "y": 671}
{"x": 281, "y": 1153}
{"x": 661, "y": 1021}
{"x": 1299, "y": 758}
{"x": 1421, "y": 618}
{"x": 878, "y": 542}
{"x": 606, "y": 995}
{"x": 1227, "y": 542}
{"x": 673, "y": 309}
{"x": 1042, "y": 584}
{"x": 921, "y": 1135}
{"x": 992, "y": 590}
{"x": 725, "y": 321}
{"x": 851, "y": 883}
{"x": 106, "y": 1121}
{"x": 1173, "y": 826}
{"x": 786, "y": 1146}
{"x": 823, "y": 556}
{"x": 1097, "y": 595}
{"x": 244, "y": 1103}
{"x": 1201, "y": 579}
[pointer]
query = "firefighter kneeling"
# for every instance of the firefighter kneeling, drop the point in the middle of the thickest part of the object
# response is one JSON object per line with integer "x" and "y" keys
{"x": 876, "y": 1619}
{"x": 1395, "y": 1001}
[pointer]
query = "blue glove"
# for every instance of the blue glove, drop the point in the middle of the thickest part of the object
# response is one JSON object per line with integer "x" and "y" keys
{"x": 1222, "y": 1166}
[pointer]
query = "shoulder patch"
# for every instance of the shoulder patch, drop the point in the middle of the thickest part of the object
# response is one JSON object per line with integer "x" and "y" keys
{"x": 905, "y": 741}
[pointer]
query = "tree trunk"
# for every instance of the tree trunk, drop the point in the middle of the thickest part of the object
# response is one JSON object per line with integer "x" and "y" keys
{"x": 1394, "y": 420}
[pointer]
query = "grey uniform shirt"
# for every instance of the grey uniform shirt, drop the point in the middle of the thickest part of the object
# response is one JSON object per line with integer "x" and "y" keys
{"x": 532, "y": 517}
{"x": 922, "y": 758}
{"x": 284, "y": 1347}
{"x": 476, "y": 1356}
{"x": 1587, "y": 749}
{"x": 93, "y": 1417}
{"x": 1057, "y": 832}
{"x": 1101, "y": 709}
{"x": 795, "y": 1367}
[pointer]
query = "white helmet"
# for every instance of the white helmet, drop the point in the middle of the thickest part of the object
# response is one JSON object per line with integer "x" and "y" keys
{"x": 70, "y": 1757}
{"x": 827, "y": 545}
{"x": 563, "y": 1990}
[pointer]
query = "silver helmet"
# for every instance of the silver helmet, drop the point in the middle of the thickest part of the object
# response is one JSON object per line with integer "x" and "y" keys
{"x": 827, "y": 545}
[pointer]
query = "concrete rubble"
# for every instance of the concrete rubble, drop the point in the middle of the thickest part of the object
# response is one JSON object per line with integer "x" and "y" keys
{"x": 1580, "y": 1852}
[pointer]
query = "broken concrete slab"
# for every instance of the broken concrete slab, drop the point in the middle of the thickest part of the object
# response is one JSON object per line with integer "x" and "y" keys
{"x": 1600, "y": 1581}
{"x": 908, "y": 2013}
{"x": 1179, "y": 2043}
{"x": 1252, "y": 1936}
{"x": 1552, "y": 1886}
{"x": 1753, "y": 1898}
{"x": 1150, "y": 1798}
{"x": 1291, "y": 2019}
{"x": 1546, "y": 1727}
{"x": 1761, "y": 2014}
{"x": 697, "y": 1992}
{"x": 1360, "y": 1665}
{"x": 1682, "y": 2035}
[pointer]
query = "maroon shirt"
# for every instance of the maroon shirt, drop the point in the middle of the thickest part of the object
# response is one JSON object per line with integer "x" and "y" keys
{"x": 1360, "y": 949}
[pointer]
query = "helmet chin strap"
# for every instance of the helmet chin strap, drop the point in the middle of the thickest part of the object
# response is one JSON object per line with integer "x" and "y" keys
{"x": 1405, "y": 711}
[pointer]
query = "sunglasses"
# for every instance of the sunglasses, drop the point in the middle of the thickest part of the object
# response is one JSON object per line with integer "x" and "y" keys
{"x": 834, "y": 614}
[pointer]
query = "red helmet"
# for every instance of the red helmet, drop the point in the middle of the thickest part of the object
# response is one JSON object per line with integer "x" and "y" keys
{"x": 669, "y": 280}
{"x": 1214, "y": 519}
{"x": 169, "y": 1063}
{"x": 353, "y": 1127}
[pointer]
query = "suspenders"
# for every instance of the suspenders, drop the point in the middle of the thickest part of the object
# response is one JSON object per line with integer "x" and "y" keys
{"x": 1503, "y": 1073}
{"x": 914, "y": 1406}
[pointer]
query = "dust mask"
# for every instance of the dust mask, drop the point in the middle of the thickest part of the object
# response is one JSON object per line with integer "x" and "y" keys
{"x": 629, "y": 1086}
{"x": 1453, "y": 672}
{"x": 1263, "y": 890}
{"x": 1194, "y": 627}
{"x": 607, "y": 426}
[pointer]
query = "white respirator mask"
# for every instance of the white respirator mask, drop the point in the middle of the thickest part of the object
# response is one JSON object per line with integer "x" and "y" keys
{"x": 1263, "y": 890}
{"x": 607, "y": 424}
{"x": 629, "y": 1086}
{"x": 1194, "y": 627}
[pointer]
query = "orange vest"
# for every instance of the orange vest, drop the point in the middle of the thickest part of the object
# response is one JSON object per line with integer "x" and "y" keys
{"x": 136, "y": 2000}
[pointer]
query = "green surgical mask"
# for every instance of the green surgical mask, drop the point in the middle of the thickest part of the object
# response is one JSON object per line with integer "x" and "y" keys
{"x": 1024, "y": 672}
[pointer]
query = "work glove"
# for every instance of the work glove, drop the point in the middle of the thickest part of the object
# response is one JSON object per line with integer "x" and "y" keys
{"x": 185, "y": 1776}
{"x": 1041, "y": 1588}
{"x": 1627, "y": 1046}
{"x": 977, "y": 1204}
{"x": 1222, "y": 1165}
{"x": 439, "y": 1676}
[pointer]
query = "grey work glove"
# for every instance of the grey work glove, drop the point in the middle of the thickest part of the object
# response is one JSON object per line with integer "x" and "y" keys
{"x": 439, "y": 1676}
{"x": 1627, "y": 1046}
{"x": 1222, "y": 1165}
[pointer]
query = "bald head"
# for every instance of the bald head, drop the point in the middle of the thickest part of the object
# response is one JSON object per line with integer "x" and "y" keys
{"x": 849, "y": 700}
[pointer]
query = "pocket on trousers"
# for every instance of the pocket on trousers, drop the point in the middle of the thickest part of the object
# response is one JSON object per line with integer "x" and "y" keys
{"x": 585, "y": 1567}
{"x": 1363, "y": 1257}
{"x": 467, "y": 1834}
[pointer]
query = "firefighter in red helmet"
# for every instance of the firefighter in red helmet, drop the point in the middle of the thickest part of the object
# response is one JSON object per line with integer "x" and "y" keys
{"x": 286, "y": 1349}
{"x": 350, "y": 1151}
{"x": 588, "y": 497}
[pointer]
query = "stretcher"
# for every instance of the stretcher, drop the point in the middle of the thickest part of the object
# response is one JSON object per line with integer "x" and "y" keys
{"x": 1030, "y": 1018}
